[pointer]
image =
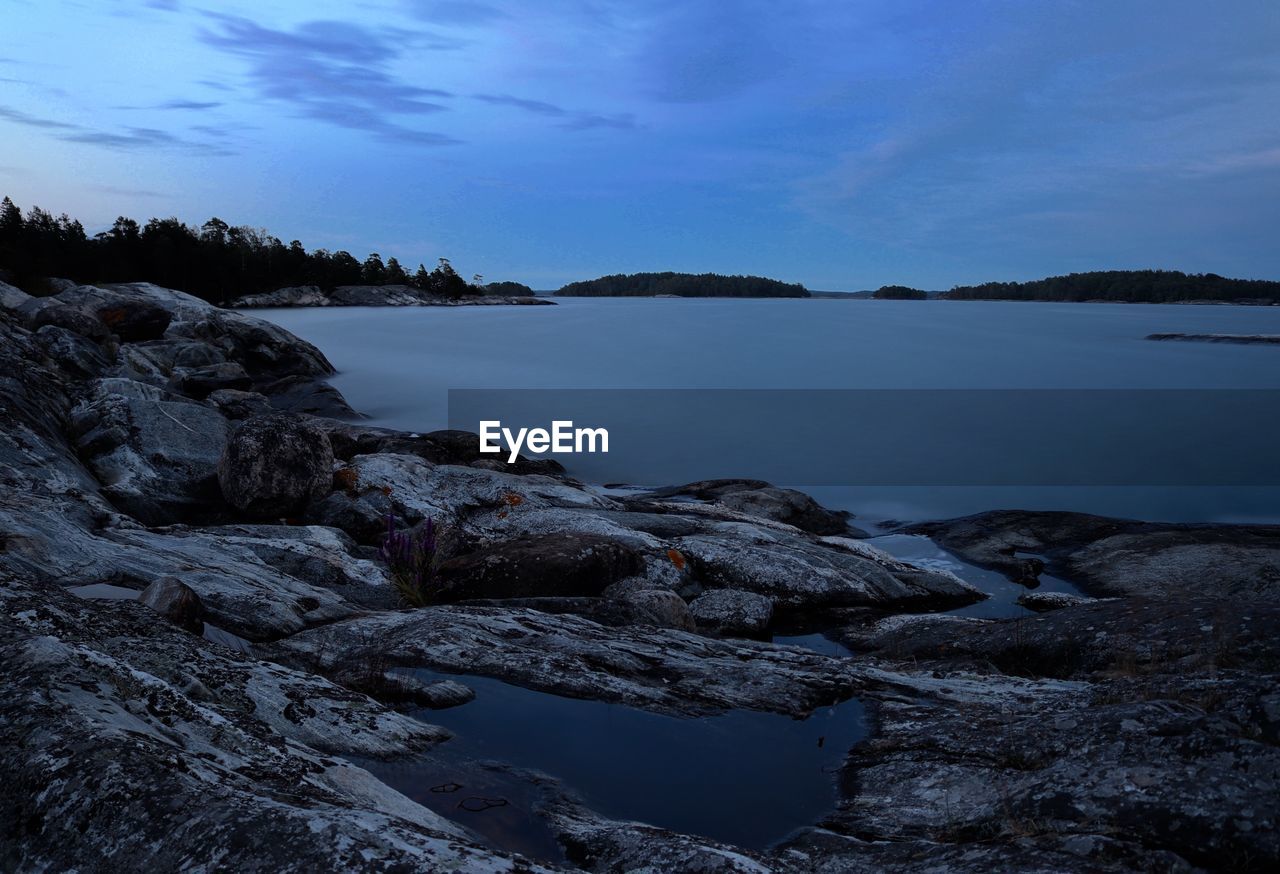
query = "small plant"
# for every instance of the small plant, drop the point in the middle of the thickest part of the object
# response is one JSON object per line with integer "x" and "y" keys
{"x": 410, "y": 556}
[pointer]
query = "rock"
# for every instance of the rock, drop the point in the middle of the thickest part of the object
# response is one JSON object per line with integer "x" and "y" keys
{"x": 77, "y": 355}
{"x": 1107, "y": 556}
{"x": 1043, "y": 601}
{"x": 401, "y": 688}
{"x": 302, "y": 394}
{"x": 665, "y": 670}
{"x": 273, "y": 465}
{"x": 659, "y": 607}
{"x": 362, "y": 515}
{"x": 175, "y": 601}
{"x": 323, "y": 557}
{"x": 237, "y": 405}
{"x": 760, "y": 499}
{"x": 1168, "y": 764}
{"x": 72, "y": 319}
{"x": 729, "y": 611}
{"x": 438, "y": 447}
{"x": 295, "y": 296}
{"x": 12, "y": 298}
{"x": 147, "y": 732}
{"x": 797, "y": 573}
{"x": 419, "y": 489}
{"x": 1137, "y": 636}
{"x": 378, "y": 295}
{"x": 571, "y": 564}
{"x": 156, "y": 459}
{"x": 135, "y": 321}
{"x": 1245, "y": 339}
{"x": 372, "y": 296}
{"x": 200, "y": 382}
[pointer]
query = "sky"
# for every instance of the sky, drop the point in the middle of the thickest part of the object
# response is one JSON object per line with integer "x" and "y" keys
{"x": 844, "y": 144}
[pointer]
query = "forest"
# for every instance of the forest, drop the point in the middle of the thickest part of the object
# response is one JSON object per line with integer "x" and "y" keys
{"x": 899, "y": 292}
{"x": 682, "y": 285}
{"x": 216, "y": 261}
{"x": 1127, "y": 286}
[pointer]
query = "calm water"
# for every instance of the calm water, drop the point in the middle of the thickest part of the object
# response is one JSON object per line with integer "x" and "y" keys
{"x": 397, "y": 365}
{"x": 743, "y": 777}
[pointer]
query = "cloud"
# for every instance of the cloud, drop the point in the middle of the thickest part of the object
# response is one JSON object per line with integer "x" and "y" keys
{"x": 588, "y": 121}
{"x": 461, "y": 12}
{"x": 128, "y": 138}
{"x": 537, "y": 107}
{"x": 196, "y": 105}
{"x": 573, "y": 120}
{"x": 334, "y": 72}
{"x": 35, "y": 121}
{"x": 127, "y": 192}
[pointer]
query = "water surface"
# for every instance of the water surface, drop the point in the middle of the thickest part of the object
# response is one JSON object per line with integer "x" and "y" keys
{"x": 398, "y": 364}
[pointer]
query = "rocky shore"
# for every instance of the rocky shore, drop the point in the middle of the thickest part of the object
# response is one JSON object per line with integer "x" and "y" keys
{"x": 202, "y": 639}
{"x": 377, "y": 296}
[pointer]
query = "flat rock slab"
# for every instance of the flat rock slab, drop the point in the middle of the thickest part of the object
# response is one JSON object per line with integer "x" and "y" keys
{"x": 127, "y": 744}
{"x": 1108, "y": 556}
{"x": 660, "y": 669}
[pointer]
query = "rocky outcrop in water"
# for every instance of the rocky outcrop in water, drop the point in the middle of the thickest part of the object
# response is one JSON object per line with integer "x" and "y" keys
{"x": 1242, "y": 339}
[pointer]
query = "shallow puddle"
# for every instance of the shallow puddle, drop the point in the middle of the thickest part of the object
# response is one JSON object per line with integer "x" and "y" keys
{"x": 743, "y": 777}
{"x": 1003, "y": 592}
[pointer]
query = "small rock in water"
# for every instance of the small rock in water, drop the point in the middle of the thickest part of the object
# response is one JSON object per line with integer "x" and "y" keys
{"x": 175, "y": 601}
{"x": 1042, "y": 601}
{"x": 274, "y": 464}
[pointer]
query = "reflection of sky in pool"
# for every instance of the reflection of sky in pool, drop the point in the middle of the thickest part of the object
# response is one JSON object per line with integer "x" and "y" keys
{"x": 744, "y": 777}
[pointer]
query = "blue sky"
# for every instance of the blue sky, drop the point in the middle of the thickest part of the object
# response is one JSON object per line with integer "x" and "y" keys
{"x": 844, "y": 145}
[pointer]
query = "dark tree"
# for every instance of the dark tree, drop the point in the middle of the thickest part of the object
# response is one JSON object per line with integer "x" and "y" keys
{"x": 216, "y": 261}
{"x": 1128, "y": 286}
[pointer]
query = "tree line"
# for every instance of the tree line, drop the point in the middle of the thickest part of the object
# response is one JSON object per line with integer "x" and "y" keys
{"x": 216, "y": 261}
{"x": 682, "y": 285}
{"x": 1129, "y": 286}
{"x": 899, "y": 292}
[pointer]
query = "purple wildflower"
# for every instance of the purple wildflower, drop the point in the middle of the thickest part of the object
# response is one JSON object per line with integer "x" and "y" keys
{"x": 410, "y": 556}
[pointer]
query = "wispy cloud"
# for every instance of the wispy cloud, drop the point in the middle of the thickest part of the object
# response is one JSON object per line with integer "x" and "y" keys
{"x": 537, "y": 107}
{"x": 194, "y": 105}
{"x": 126, "y": 138}
{"x": 571, "y": 119}
{"x": 335, "y": 72}
{"x": 461, "y": 12}
{"x": 23, "y": 118}
{"x": 127, "y": 192}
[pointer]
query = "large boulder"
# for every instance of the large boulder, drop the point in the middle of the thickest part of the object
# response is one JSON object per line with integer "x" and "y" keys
{"x": 73, "y": 319}
{"x": 565, "y": 564}
{"x": 11, "y": 297}
{"x": 75, "y": 354}
{"x": 274, "y": 465}
{"x": 155, "y": 454}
